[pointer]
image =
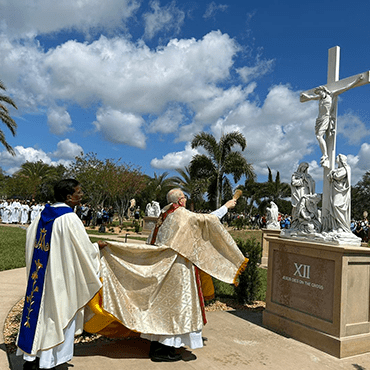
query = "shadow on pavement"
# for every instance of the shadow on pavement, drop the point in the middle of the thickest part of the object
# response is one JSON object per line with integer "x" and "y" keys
{"x": 254, "y": 317}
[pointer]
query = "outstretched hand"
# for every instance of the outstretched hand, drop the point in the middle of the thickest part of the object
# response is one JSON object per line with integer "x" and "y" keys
{"x": 230, "y": 204}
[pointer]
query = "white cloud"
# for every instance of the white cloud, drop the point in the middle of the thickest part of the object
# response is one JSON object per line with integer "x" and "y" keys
{"x": 168, "y": 122}
{"x": 12, "y": 164}
{"x": 117, "y": 72}
{"x": 279, "y": 133}
{"x": 261, "y": 68}
{"x": 129, "y": 78}
{"x": 67, "y": 150}
{"x": 213, "y": 8}
{"x": 29, "y": 18}
{"x": 119, "y": 127}
{"x": 59, "y": 121}
{"x": 23, "y": 155}
{"x": 359, "y": 163}
{"x": 352, "y": 128}
{"x": 210, "y": 110}
{"x": 175, "y": 160}
{"x": 167, "y": 18}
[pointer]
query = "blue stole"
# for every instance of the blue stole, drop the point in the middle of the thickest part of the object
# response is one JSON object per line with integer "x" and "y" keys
{"x": 36, "y": 278}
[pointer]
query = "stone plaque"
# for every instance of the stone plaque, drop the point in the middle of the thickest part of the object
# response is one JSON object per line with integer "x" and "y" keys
{"x": 303, "y": 283}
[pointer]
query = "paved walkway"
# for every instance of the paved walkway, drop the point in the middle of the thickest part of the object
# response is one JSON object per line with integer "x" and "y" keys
{"x": 235, "y": 340}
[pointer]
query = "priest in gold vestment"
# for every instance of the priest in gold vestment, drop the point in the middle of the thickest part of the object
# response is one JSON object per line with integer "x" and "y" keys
{"x": 155, "y": 290}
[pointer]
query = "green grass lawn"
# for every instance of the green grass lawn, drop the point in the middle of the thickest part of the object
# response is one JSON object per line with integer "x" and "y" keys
{"x": 12, "y": 242}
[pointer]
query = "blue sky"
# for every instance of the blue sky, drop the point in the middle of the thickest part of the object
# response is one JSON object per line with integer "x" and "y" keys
{"x": 137, "y": 80}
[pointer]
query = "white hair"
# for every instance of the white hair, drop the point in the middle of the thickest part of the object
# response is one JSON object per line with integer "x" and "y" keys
{"x": 174, "y": 195}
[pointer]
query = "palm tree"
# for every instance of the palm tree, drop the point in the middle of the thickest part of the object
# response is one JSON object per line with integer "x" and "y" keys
{"x": 193, "y": 187}
{"x": 275, "y": 191}
{"x": 219, "y": 162}
{"x": 6, "y": 119}
{"x": 36, "y": 175}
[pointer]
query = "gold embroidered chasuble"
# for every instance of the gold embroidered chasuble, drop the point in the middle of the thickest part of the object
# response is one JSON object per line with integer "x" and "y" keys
{"x": 152, "y": 289}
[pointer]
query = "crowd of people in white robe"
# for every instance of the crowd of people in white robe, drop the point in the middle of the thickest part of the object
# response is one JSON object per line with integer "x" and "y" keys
{"x": 15, "y": 211}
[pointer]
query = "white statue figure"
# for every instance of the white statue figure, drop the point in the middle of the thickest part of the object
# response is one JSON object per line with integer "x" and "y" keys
{"x": 308, "y": 216}
{"x": 131, "y": 208}
{"x": 301, "y": 184}
{"x": 149, "y": 210}
{"x": 272, "y": 216}
{"x": 325, "y": 122}
{"x": 156, "y": 209}
{"x": 340, "y": 196}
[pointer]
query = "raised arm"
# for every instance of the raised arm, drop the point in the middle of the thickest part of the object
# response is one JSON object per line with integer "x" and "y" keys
{"x": 304, "y": 97}
{"x": 347, "y": 87}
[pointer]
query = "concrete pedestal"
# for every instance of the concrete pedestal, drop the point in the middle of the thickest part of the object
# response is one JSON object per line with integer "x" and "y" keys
{"x": 149, "y": 224}
{"x": 266, "y": 234}
{"x": 320, "y": 295}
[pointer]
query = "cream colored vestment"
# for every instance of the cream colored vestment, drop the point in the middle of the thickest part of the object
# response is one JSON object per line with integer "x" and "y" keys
{"x": 71, "y": 278}
{"x": 152, "y": 289}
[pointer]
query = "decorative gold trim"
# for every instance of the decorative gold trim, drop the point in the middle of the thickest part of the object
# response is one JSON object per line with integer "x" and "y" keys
{"x": 29, "y": 299}
{"x": 41, "y": 243}
{"x": 240, "y": 270}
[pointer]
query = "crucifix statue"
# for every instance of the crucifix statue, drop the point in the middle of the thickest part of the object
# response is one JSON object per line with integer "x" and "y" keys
{"x": 326, "y": 122}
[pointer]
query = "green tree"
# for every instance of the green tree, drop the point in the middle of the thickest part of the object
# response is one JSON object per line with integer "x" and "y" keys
{"x": 219, "y": 161}
{"x": 194, "y": 188}
{"x": 3, "y": 184}
{"x": 360, "y": 197}
{"x": 156, "y": 189}
{"x": 123, "y": 183}
{"x": 35, "y": 180}
{"x": 92, "y": 173}
{"x": 278, "y": 192}
{"x": 6, "y": 119}
{"x": 107, "y": 182}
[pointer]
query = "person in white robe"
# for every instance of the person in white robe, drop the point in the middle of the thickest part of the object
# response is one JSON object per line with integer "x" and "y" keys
{"x": 7, "y": 214}
{"x": 157, "y": 289}
{"x": 16, "y": 212}
{"x": 3, "y": 204}
{"x": 71, "y": 279}
{"x": 25, "y": 209}
{"x": 34, "y": 210}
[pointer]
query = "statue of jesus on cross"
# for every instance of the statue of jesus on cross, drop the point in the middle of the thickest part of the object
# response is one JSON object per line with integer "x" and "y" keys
{"x": 325, "y": 122}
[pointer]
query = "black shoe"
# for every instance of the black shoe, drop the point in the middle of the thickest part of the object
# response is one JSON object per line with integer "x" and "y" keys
{"x": 161, "y": 353}
{"x": 31, "y": 365}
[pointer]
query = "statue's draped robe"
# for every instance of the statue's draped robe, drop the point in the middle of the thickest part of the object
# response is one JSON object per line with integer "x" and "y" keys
{"x": 152, "y": 289}
{"x": 340, "y": 211}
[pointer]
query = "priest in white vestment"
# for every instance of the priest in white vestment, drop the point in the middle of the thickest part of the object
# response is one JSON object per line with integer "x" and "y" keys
{"x": 156, "y": 290}
{"x": 63, "y": 268}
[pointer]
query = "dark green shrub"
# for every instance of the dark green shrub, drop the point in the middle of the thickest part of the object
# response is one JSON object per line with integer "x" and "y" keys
{"x": 250, "y": 280}
{"x": 137, "y": 226}
{"x": 239, "y": 223}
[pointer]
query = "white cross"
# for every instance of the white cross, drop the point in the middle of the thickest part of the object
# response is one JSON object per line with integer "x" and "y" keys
{"x": 335, "y": 86}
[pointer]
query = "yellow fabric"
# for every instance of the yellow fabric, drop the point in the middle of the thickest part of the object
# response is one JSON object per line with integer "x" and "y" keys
{"x": 208, "y": 288}
{"x": 102, "y": 322}
{"x": 152, "y": 289}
